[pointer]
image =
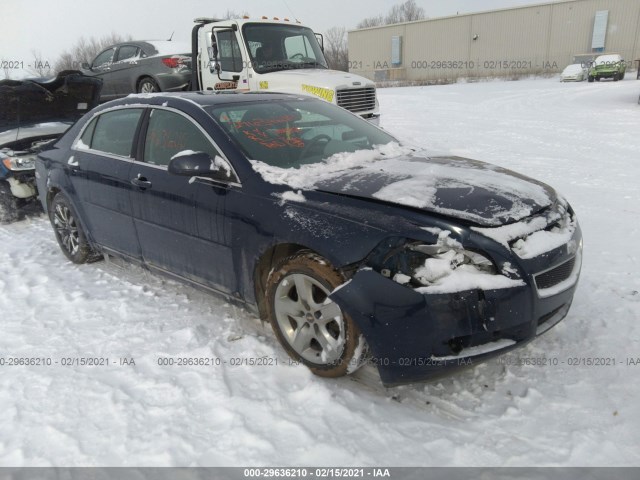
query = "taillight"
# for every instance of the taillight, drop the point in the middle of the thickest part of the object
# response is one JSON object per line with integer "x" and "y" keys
{"x": 172, "y": 62}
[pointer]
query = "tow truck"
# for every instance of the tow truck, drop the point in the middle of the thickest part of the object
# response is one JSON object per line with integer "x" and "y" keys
{"x": 273, "y": 55}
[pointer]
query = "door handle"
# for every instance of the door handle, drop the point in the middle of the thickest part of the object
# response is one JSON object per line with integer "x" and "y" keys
{"x": 141, "y": 182}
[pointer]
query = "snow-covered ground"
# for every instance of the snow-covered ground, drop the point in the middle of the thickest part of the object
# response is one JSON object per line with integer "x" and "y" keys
{"x": 582, "y": 139}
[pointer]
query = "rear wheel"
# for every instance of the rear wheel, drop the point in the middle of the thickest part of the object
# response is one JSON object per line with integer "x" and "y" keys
{"x": 310, "y": 326}
{"x": 69, "y": 232}
{"x": 148, "y": 85}
{"x": 9, "y": 205}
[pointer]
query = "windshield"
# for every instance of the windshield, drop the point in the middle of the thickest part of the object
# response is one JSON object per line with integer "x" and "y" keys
{"x": 291, "y": 133}
{"x": 274, "y": 47}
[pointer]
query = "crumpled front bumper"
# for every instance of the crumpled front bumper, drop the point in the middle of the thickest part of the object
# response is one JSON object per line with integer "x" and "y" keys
{"x": 414, "y": 337}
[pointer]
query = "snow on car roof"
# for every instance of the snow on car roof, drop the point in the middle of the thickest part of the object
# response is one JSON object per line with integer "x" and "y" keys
{"x": 603, "y": 59}
{"x": 576, "y": 67}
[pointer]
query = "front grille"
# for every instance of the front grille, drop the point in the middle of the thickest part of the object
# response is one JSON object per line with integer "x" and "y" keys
{"x": 357, "y": 99}
{"x": 556, "y": 275}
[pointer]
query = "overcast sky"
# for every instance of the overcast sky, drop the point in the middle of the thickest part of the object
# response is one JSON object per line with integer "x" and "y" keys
{"x": 51, "y": 26}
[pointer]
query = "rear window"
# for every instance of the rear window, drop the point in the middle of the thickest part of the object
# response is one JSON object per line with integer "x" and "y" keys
{"x": 112, "y": 132}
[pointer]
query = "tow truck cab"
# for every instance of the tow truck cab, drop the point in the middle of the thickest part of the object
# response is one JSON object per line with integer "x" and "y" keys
{"x": 274, "y": 56}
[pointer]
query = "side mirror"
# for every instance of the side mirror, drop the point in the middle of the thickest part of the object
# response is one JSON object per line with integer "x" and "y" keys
{"x": 86, "y": 66}
{"x": 199, "y": 164}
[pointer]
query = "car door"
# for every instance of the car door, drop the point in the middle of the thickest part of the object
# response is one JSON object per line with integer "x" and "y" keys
{"x": 124, "y": 69}
{"x": 179, "y": 220}
{"x": 101, "y": 67}
{"x": 100, "y": 175}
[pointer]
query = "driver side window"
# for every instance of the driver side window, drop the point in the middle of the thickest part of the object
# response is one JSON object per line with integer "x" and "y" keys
{"x": 170, "y": 133}
{"x": 229, "y": 51}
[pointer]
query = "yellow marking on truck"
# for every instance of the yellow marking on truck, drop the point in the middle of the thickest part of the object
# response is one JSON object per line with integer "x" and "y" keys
{"x": 264, "y": 85}
{"x": 324, "y": 93}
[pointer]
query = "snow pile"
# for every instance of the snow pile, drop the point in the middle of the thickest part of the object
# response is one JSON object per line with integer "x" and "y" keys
{"x": 448, "y": 273}
{"x": 291, "y": 196}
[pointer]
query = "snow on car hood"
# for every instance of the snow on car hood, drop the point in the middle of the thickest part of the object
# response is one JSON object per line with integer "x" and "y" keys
{"x": 466, "y": 189}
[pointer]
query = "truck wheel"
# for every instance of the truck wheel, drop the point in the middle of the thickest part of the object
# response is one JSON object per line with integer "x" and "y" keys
{"x": 69, "y": 232}
{"x": 312, "y": 329}
{"x": 148, "y": 85}
{"x": 9, "y": 205}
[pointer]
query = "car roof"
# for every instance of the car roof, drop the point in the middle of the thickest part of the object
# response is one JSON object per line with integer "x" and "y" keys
{"x": 207, "y": 99}
{"x": 159, "y": 46}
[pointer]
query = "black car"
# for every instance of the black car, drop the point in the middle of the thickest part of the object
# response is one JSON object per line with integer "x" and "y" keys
{"x": 141, "y": 67}
{"x": 355, "y": 248}
{"x": 34, "y": 112}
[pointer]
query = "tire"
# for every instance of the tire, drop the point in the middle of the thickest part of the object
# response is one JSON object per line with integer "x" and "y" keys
{"x": 68, "y": 231}
{"x": 9, "y": 205}
{"x": 622, "y": 75}
{"x": 590, "y": 79}
{"x": 615, "y": 77}
{"x": 597, "y": 79}
{"x": 297, "y": 296}
{"x": 148, "y": 85}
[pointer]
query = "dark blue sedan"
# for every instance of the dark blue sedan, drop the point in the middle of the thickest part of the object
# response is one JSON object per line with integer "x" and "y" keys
{"x": 355, "y": 247}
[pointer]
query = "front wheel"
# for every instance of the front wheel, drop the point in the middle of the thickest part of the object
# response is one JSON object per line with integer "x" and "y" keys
{"x": 310, "y": 326}
{"x": 69, "y": 232}
{"x": 590, "y": 79}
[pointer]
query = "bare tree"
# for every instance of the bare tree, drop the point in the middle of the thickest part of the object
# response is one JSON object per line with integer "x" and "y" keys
{"x": 6, "y": 71}
{"x": 85, "y": 50}
{"x": 39, "y": 67}
{"x": 371, "y": 22}
{"x": 408, "y": 11}
{"x": 336, "y": 49}
{"x": 232, "y": 14}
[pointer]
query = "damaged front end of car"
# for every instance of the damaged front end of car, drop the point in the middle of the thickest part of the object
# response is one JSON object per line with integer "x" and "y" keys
{"x": 34, "y": 113}
{"x": 451, "y": 298}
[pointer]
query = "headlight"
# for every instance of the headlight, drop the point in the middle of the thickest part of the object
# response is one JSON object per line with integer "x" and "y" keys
{"x": 19, "y": 163}
{"x": 418, "y": 265}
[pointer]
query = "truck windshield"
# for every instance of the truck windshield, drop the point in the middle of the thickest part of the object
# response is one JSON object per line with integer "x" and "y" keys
{"x": 275, "y": 47}
{"x": 293, "y": 132}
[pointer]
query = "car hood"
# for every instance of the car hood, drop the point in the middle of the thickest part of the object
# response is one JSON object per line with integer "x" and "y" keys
{"x": 470, "y": 190}
{"x": 42, "y": 108}
{"x": 319, "y": 82}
